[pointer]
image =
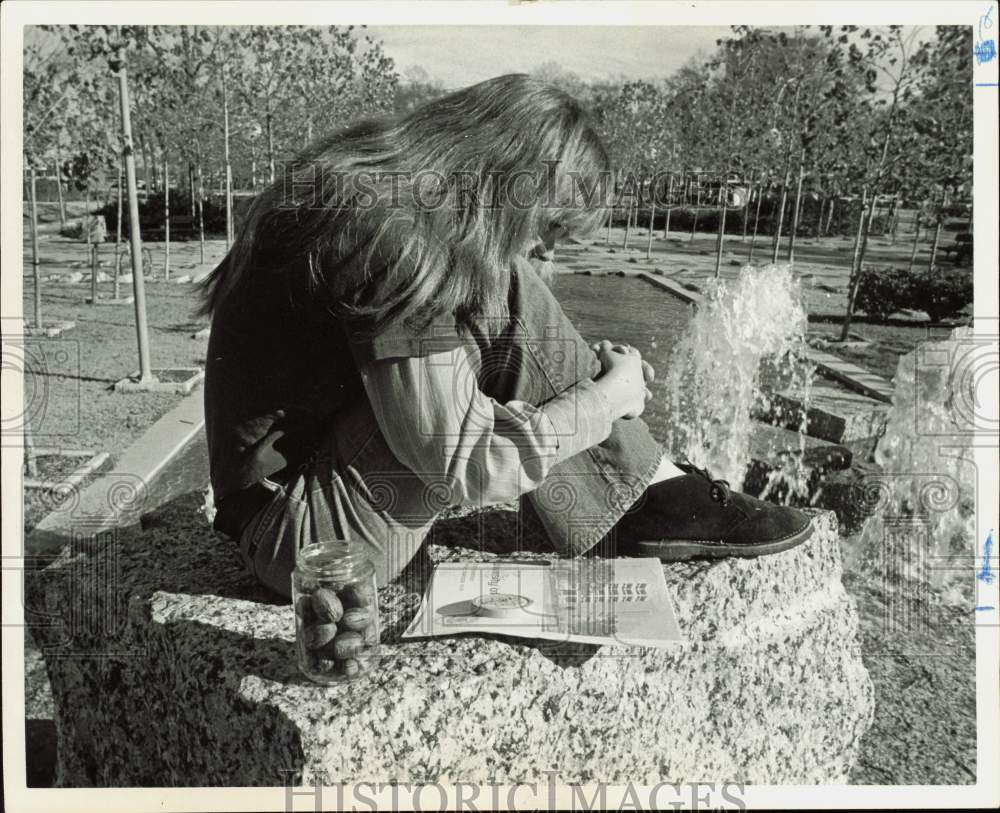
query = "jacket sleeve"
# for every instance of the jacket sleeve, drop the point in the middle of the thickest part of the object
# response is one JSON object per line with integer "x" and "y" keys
{"x": 437, "y": 421}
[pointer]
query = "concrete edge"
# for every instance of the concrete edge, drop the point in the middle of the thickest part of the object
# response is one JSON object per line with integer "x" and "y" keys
{"x": 672, "y": 287}
{"x": 75, "y": 477}
{"x": 100, "y": 507}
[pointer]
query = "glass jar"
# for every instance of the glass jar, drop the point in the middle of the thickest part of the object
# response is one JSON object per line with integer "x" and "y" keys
{"x": 336, "y": 612}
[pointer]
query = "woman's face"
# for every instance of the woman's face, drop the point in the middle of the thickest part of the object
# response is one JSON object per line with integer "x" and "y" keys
{"x": 542, "y": 252}
{"x": 545, "y": 245}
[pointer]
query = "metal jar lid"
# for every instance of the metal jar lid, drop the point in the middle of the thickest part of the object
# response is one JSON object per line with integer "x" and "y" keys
{"x": 499, "y": 605}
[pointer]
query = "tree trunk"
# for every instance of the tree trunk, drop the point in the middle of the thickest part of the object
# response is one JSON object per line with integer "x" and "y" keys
{"x": 819, "y": 219}
{"x": 166, "y": 217}
{"x": 35, "y": 270}
{"x": 916, "y": 239}
{"x": 939, "y": 220}
{"x": 90, "y": 248}
{"x": 670, "y": 205}
{"x": 191, "y": 191}
{"x": 628, "y": 226}
{"x": 720, "y": 239}
{"x": 756, "y": 223}
{"x": 746, "y": 211}
{"x": 59, "y": 188}
{"x": 30, "y": 461}
{"x": 201, "y": 209}
{"x": 891, "y": 225}
{"x": 855, "y": 277}
{"x": 781, "y": 209}
{"x": 798, "y": 208}
{"x": 652, "y": 216}
{"x": 694, "y": 225}
{"x": 147, "y": 178}
{"x": 270, "y": 147}
{"x": 611, "y": 215}
{"x": 934, "y": 245}
{"x": 829, "y": 217}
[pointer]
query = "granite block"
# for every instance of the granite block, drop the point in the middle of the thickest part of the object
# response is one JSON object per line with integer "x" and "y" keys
{"x": 170, "y": 667}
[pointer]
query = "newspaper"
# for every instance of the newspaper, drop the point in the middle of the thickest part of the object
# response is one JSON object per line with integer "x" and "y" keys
{"x": 623, "y": 602}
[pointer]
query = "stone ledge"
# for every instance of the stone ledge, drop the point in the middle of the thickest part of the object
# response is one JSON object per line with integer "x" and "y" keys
{"x": 834, "y": 414}
{"x": 198, "y": 686}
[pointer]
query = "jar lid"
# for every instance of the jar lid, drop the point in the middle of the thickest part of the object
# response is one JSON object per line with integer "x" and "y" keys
{"x": 322, "y": 558}
{"x": 498, "y": 605}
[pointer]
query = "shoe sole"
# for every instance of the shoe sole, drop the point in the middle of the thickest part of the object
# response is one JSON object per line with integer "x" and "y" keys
{"x": 679, "y": 550}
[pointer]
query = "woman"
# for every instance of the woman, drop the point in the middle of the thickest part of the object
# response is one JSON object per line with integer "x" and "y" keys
{"x": 382, "y": 349}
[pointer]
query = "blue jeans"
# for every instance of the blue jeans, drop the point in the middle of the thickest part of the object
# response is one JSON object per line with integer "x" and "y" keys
{"x": 354, "y": 488}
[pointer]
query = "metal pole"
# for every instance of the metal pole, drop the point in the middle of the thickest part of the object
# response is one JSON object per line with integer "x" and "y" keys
{"x": 35, "y": 270}
{"x": 229, "y": 169}
{"x": 118, "y": 229}
{"x": 135, "y": 238}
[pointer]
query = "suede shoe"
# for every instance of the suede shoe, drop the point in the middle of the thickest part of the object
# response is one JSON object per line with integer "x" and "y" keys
{"x": 694, "y": 515}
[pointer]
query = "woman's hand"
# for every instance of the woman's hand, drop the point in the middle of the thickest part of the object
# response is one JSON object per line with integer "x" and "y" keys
{"x": 623, "y": 379}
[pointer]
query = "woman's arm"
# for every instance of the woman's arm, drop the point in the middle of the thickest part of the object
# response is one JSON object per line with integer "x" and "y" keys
{"x": 437, "y": 421}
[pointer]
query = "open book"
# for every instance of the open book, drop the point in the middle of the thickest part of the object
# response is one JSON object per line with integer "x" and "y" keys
{"x": 621, "y": 602}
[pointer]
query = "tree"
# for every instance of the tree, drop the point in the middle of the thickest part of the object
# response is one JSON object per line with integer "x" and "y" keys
{"x": 888, "y": 70}
{"x": 416, "y": 88}
{"x": 305, "y": 69}
{"x": 941, "y": 119}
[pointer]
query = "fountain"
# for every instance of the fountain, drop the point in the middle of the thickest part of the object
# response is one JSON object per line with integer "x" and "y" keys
{"x": 922, "y": 507}
{"x": 746, "y": 342}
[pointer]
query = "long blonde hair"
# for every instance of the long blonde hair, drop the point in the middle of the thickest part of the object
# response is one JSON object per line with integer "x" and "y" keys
{"x": 411, "y": 217}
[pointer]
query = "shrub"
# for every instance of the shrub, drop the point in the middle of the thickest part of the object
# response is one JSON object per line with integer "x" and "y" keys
{"x": 883, "y": 290}
{"x": 941, "y": 294}
{"x": 180, "y": 204}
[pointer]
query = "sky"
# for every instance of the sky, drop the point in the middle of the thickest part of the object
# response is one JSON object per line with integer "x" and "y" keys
{"x": 462, "y": 55}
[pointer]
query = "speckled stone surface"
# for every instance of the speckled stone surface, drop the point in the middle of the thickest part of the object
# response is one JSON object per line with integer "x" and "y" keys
{"x": 171, "y": 668}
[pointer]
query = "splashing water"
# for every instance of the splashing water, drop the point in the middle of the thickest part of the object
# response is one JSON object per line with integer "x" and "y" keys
{"x": 717, "y": 381}
{"x": 923, "y": 502}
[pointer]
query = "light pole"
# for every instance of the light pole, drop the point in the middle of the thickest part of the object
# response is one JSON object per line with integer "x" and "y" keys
{"x": 117, "y": 64}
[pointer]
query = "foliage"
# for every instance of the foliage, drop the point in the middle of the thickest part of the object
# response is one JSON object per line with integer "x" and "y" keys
{"x": 152, "y": 211}
{"x": 940, "y": 293}
{"x": 883, "y": 291}
{"x": 885, "y": 109}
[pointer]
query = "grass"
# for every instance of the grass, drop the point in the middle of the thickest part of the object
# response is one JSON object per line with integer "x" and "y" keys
{"x": 886, "y": 343}
{"x": 68, "y": 380}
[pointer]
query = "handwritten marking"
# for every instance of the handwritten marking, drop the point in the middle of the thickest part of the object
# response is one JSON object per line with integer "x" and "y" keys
{"x": 986, "y": 51}
{"x": 985, "y": 607}
{"x": 985, "y": 21}
{"x": 985, "y": 575}
{"x": 986, "y": 48}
